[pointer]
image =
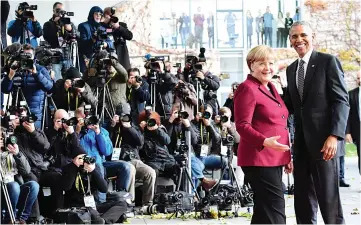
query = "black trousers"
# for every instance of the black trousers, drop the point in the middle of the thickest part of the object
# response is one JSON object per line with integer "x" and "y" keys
{"x": 269, "y": 202}
{"x": 317, "y": 183}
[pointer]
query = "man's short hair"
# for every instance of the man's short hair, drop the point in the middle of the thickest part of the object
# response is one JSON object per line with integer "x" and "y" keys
{"x": 133, "y": 70}
{"x": 301, "y": 23}
{"x": 56, "y": 3}
{"x": 28, "y": 47}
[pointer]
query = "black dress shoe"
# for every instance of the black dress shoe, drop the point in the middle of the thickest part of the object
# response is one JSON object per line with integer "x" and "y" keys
{"x": 344, "y": 184}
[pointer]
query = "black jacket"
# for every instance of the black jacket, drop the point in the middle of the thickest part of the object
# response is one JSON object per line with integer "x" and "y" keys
{"x": 60, "y": 97}
{"x": 353, "y": 123}
{"x": 165, "y": 97}
{"x": 33, "y": 145}
{"x": 229, "y": 104}
{"x": 210, "y": 84}
{"x": 74, "y": 197}
{"x": 209, "y": 136}
{"x": 51, "y": 33}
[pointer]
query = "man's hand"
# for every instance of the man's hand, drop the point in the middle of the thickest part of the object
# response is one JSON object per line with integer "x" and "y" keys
{"x": 173, "y": 116}
{"x": 200, "y": 75}
{"x": 95, "y": 128}
{"x": 349, "y": 138}
{"x": 227, "y": 124}
{"x": 33, "y": 70}
{"x": 115, "y": 120}
{"x": 186, "y": 122}
{"x": 69, "y": 129}
{"x": 206, "y": 122}
{"x": 56, "y": 19}
{"x": 289, "y": 168}
{"x": 29, "y": 127}
{"x": 115, "y": 25}
{"x": 143, "y": 124}
{"x": 272, "y": 143}
{"x": 80, "y": 90}
{"x": 13, "y": 149}
{"x": 329, "y": 148}
{"x": 89, "y": 167}
{"x": 67, "y": 84}
{"x": 11, "y": 74}
{"x": 68, "y": 27}
{"x": 52, "y": 74}
{"x": 230, "y": 96}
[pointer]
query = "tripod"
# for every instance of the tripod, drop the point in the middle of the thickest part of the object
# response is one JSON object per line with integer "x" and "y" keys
{"x": 74, "y": 56}
{"x": 25, "y": 32}
{"x": 7, "y": 197}
{"x": 45, "y": 120}
{"x": 153, "y": 93}
{"x": 106, "y": 98}
{"x": 17, "y": 92}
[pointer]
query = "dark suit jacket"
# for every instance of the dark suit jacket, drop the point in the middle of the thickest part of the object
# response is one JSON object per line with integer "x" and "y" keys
{"x": 259, "y": 114}
{"x": 353, "y": 123}
{"x": 324, "y": 109}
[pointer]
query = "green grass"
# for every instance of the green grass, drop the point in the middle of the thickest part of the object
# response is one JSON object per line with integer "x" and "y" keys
{"x": 351, "y": 150}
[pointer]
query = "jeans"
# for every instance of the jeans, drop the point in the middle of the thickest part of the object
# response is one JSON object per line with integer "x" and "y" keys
{"x": 120, "y": 169}
{"x": 197, "y": 168}
{"x": 22, "y": 197}
{"x": 342, "y": 167}
{"x": 184, "y": 32}
{"x": 268, "y": 35}
{"x": 198, "y": 35}
{"x": 214, "y": 162}
{"x": 65, "y": 64}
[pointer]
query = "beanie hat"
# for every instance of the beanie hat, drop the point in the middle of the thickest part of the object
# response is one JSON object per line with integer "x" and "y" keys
{"x": 122, "y": 109}
{"x": 72, "y": 73}
{"x": 77, "y": 151}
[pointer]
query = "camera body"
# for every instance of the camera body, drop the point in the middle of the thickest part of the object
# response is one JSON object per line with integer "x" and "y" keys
{"x": 29, "y": 118}
{"x": 206, "y": 115}
{"x": 70, "y": 122}
{"x": 89, "y": 159}
{"x": 47, "y": 56}
{"x": 48, "y": 161}
{"x": 24, "y": 61}
{"x": 27, "y": 12}
{"x": 172, "y": 201}
{"x": 90, "y": 119}
{"x": 62, "y": 14}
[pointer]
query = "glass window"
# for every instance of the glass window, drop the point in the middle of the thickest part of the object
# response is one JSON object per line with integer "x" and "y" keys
{"x": 229, "y": 29}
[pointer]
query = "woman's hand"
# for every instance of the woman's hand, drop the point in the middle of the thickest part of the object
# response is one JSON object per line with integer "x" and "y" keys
{"x": 272, "y": 143}
{"x": 289, "y": 168}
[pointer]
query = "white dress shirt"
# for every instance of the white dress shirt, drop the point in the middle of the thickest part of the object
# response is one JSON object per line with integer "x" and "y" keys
{"x": 306, "y": 59}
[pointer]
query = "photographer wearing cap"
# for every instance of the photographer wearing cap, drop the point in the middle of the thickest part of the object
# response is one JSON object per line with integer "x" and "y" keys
{"x": 210, "y": 84}
{"x": 33, "y": 79}
{"x": 137, "y": 93}
{"x": 14, "y": 165}
{"x": 120, "y": 33}
{"x": 72, "y": 92}
{"x": 96, "y": 142}
{"x": 59, "y": 32}
{"x": 184, "y": 93}
{"x": 88, "y": 36}
{"x": 129, "y": 139}
{"x": 229, "y": 100}
{"x": 25, "y": 29}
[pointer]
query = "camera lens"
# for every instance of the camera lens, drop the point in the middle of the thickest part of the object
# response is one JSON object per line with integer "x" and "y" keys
{"x": 183, "y": 115}
{"x": 79, "y": 83}
{"x": 151, "y": 123}
{"x": 126, "y": 118}
{"x": 206, "y": 115}
{"x": 92, "y": 120}
{"x": 224, "y": 119}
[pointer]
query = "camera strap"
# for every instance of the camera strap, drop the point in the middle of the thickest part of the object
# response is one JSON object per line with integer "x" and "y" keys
{"x": 130, "y": 93}
{"x": 78, "y": 181}
{"x": 202, "y": 134}
{"x": 120, "y": 140}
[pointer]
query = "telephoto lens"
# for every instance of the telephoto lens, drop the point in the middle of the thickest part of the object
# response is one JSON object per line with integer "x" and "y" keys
{"x": 70, "y": 122}
{"x": 150, "y": 209}
{"x": 126, "y": 118}
{"x": 78, "y": 83}
{"x": 89, "y": 159}
{"x": 207, "y": 115}
{"x": 183, "y": 115}
{"x": 224, "y": 119}
{"x": 151, "y": 123}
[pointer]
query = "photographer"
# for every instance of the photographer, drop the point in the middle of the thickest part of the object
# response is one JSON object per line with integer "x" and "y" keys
{"x": 229, "y": 100}
{"x": 209, "y": 142}
{"x": 59, "y": 34}
{"x": 177, "y": 124}
{"x": 34, "y": 81}
{"x": 72, "y": 92}
{"x": 156, "y": 139}
{"x": 137, "y": 93}
{"x": 120, "y": 33}
{"x": 89, "y": 37}
{"x": 165, "y": 96}
{"x": 5, "y": 9}
{"x": 185, "y": 94}
{"x": 129, "y": 139}
{"x": 80, "y": 180}
{"x": 25, "y": 27}
{"x": 22, "y": 195}
{"x": 96, "y": 142}
{"x": 34, "y": 144}
{"x": 210, "y": 84}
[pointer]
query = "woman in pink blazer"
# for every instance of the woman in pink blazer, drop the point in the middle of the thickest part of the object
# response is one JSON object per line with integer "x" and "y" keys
{"x": 261, "y": 120}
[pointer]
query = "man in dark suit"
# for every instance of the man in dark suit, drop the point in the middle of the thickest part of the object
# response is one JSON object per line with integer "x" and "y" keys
{"x": 317, "y": 96}
{"x": 354, "y": 118}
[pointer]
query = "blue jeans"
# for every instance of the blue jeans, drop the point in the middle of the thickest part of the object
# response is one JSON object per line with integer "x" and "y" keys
{"x": 22, "y": 197}
{"x": 342, "y": 167}
{"x": 213, "y": 162}
{"x": 66, "y": 64}
{"x": 197, "y": 168}
{"x": 268, "y": 35}
{"x": 120, "y": 169}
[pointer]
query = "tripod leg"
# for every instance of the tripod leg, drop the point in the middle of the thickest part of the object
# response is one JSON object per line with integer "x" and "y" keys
{"x": 194, "y": 188}
{"x": 180, "y": 178}
{"x": 44, "y": 113}
{"x": 112, "y": 111}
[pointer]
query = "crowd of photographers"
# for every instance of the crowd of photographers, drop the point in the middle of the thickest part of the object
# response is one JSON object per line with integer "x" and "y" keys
{"x": 73, "y": 127}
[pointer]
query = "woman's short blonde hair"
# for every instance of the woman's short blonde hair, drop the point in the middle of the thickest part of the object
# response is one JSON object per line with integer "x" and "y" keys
{"x": 259, "y": 53}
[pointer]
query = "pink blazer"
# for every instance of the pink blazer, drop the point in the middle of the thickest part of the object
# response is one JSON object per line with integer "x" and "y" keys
{"x": 258, "y": 115}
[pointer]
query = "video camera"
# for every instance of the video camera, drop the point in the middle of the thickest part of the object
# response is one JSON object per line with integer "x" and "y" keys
{"x": 193, "y": 63}
{"x": 62, "y": 14}
{"x": 26, "y": 11}
{"x": 152, "y": 64}
{"x": 20, "y": 61}
{"x": 8, "y": 132}
{"x": 102, "y": 62}
{"x": 47, "y": 56}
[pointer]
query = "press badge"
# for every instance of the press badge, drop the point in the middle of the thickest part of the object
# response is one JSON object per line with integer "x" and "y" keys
{"x": 89, "y": 201}
{"x": 71, "y": 114}
{"x": 223, "y": 150}
{"x": 116, "y": 154}
{"x": 204, "y": 150}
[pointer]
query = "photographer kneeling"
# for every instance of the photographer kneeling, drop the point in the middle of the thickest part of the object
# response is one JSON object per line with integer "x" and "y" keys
{"x": 72, "y": 92}
{"x": 80, "y": 179}
{"x": 96, "y": 142}
{"x": 129, "y": 139}
{"x": 14, "y": 165}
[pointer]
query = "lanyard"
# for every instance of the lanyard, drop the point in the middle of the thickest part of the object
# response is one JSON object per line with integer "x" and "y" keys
{"x": 77, "y": 181}
{"x": 8, "y": 160}
{"x": 202, "y": 135}
{"x": 130, "y": 93}
{"x": 120, "y": 141}
{"x": 76, "y": 101}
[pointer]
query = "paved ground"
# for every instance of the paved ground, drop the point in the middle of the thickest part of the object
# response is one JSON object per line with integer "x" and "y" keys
{"x": 350, "y": 201}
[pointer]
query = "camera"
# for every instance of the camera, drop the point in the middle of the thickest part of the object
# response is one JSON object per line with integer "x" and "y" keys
{"x": 183, "y": 115}
{"x": 78, "y": 83}
{"x": 138, "y": 79}
{"x": 26, "y": 9}
{"x": 150, "y": 209}
{"x": 30, "y": 119}
{"x": 22, "y": 61}
{"x": 126, "y": 118}
{"x": 62, "y": 14}
{"x": 91, "y": 120}
{"x": 227, "y": 140}
{"x": 210, "y": 94}
{"x": 224, "y": 119}
{"x": 151, "y": 122}
{"x": 206, "y": 115}
{"x": 226, "y": 196}
{"x": 113, "y": 18}
{"x": 10, "y": 139}
{"x": 102, "y": 34}
{"x": 89, "y": 159}
{"x": 275, "y": 76}
{"x": 70, "y": 122}
{"x": 48, "y": 161}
